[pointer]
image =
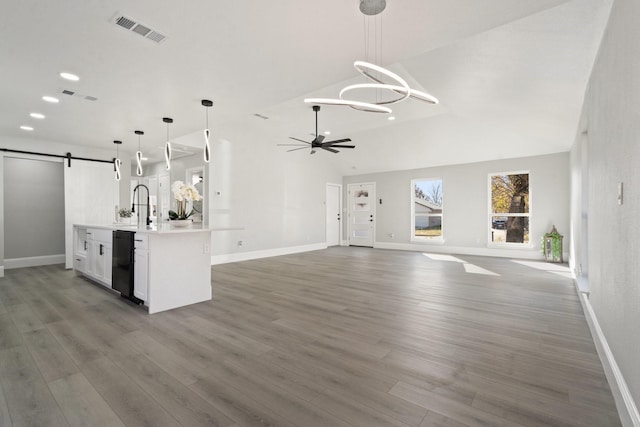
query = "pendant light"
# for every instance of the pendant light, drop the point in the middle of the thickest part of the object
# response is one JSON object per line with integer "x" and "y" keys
{"x": 139, "y": 154}
{"x": 117, "y": 162}
{"x": 207, "y": 148}
{"x": 167, "y": 145}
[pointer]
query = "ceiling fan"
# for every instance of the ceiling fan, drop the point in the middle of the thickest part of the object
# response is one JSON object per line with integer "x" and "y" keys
{"x": 318, "y": 141}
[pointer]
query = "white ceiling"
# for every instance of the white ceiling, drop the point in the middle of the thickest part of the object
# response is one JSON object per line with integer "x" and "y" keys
{"x": 510, "y": 74}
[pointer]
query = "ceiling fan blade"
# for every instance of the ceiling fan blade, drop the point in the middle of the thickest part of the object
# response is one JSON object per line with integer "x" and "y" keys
{"x": 318, "y": 139}
{"x": 296, "y": 149}
{"x": 337, "y": 141}
{"x": 330, "y": 149}
{"x": 301, "y": 140}
{"x": 290, "y": 145}
{"x": 341, "y": 146}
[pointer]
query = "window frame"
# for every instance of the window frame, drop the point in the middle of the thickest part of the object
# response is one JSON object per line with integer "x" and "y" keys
{"x": 491, "y": 214}
{"x": 413, "y": 238}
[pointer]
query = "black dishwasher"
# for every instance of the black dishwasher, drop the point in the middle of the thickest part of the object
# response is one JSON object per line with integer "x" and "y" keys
{"x": 122, "y": 266}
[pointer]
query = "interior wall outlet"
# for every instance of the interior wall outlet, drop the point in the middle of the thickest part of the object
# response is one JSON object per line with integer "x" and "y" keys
{"x": 620, "y": 191}
{"x": 205, "y": 248}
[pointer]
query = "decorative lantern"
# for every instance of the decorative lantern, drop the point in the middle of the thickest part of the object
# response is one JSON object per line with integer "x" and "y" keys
{"x": 552, "y": 246}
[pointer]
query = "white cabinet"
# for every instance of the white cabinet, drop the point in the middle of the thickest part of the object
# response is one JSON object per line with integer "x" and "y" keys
{"x": 92, "y": 253}
{"x": 80, "y": 246}
{"x": 141, "y": 267}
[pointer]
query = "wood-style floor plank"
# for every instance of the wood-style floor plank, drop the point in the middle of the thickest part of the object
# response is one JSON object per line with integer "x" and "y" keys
{"x": 339, "y": 337}
{"x": 81, "y": 404}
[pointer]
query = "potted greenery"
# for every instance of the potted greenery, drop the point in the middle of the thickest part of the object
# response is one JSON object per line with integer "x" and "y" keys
{"x": 552, "y": 246}
{"x": 125, "y": 215}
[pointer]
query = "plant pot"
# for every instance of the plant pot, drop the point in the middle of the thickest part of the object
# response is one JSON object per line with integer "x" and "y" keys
{"x": 181, "y": 222}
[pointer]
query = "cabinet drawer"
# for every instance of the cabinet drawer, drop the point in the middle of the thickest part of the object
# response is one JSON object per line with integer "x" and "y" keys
{"x": 80, "y": 263}
{"x": 99, "y": 234}
{"x": 141, "y": 241}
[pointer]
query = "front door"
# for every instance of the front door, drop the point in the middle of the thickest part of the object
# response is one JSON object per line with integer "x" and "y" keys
{"x": 334, "y": 194}
{"x": 362, "y": 209}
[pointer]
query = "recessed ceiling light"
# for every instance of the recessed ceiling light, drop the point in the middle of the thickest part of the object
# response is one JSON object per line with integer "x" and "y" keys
{"x": 51, "y": 99}
{"x": 70, "y": 76}
{"x": 327, "y": 132}
{"x": 37, "y": 115}
{"x": 26, "y": 128}
{"x": 391, "y": 118}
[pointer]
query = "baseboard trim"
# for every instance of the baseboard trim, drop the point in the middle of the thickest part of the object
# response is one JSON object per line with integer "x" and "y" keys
{"x": 627, "y": 408}
{"x": 462, "y": 250}
{"x": 33, "y": 261}
{"x": 246, "y": 256}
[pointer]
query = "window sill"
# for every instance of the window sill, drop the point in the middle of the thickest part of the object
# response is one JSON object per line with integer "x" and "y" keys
{"x": 523, "y": 246}
{"x": 428, "y": 241}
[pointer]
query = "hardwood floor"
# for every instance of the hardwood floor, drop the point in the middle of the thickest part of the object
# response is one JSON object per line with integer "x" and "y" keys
{"x": 339, "y": 337}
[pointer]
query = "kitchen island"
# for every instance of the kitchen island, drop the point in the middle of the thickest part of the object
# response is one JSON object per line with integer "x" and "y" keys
{"x": 172, "y": 265}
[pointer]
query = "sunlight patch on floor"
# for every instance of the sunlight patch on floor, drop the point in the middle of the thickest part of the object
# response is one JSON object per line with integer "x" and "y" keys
{"x": 559, "y": 269}
{"x": 468, "y": 267}
{"x": 474, "y": 269}
{"x": 441, "y": 257}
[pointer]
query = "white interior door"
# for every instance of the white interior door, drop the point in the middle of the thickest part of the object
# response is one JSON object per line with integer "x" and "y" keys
{"x": 362, "y": 210}
{"x": 334, "y": 210}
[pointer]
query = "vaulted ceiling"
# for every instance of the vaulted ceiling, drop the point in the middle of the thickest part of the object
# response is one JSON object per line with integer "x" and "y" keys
{"x": 510, "y": 74}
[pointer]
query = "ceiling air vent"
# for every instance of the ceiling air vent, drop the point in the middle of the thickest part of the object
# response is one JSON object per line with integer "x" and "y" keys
{"x": 133, "y": 25}
{"x": 78, "y": 95}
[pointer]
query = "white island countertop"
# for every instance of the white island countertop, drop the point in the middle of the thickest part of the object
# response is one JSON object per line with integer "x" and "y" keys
{"x": 162, "y": 228}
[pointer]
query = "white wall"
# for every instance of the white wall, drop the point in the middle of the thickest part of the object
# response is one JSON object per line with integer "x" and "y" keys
{"x": 53, "y": 147}
{"x": 277, "y": 198}
{"x": 466, "y": 204}
{"x": 34, "y": 218}
{"x": 612, "y": 116}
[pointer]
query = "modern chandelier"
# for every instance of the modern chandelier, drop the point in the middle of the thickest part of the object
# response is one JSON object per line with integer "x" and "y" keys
{"x": 379, "y": 78}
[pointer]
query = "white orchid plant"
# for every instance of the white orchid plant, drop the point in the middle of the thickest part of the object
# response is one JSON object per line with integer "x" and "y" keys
{"x": 183, "y": 193}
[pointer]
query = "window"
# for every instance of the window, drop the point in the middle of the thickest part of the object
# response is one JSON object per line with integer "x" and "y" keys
{"x": 426, "y": 209}
{"x": 509, "y": 211}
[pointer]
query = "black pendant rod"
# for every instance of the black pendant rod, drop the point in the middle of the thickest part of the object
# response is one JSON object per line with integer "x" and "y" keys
{"x": 67, "y": 156}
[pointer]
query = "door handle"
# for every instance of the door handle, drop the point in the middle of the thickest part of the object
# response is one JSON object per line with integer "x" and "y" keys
{"x": 101, "y": 251}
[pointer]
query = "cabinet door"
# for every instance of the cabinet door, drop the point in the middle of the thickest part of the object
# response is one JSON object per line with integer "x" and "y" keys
{"x": 80, "y": 241}
{"x": 99, "y": 265}
{"x": 107, "y": 257}
{"x": 140, "y": 274}
{"x": 91, "y": 258}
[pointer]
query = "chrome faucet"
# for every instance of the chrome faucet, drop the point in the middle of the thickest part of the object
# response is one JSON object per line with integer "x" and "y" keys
{"x": 133, "y": 203}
